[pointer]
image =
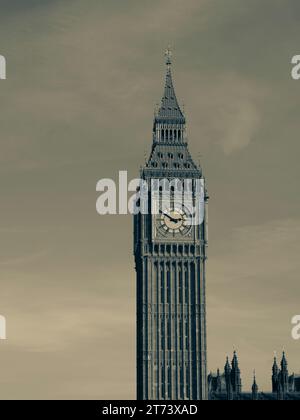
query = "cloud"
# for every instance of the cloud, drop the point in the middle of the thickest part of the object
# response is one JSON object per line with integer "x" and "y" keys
{"x": 229, "y": 110}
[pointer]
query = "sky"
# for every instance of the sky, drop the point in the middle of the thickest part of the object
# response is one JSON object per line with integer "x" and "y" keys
{"x": 83, "y": 79}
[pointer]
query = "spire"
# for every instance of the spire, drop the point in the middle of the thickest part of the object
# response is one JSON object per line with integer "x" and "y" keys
{"x": 283, "y": 362}
{"x": 169, "y": 110}
{"x": 275, "y": 376}
{"x": 227, "y": 370}
{"x": 284, "y": 374}
{"x": 169, "y": 140}
{"x": 275, "y": 366}
{"x": 227, "y": 367}
{"x": 235, "y": 362}
{"x": 168, "y": 55}
{"x": 236, "y": 375}
{"x": 254, "y": 386}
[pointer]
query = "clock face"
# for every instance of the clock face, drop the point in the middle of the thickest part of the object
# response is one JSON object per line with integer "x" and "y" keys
{"x": 174, "y": 222}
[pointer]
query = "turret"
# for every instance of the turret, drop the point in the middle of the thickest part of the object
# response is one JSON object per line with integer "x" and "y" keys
{"x": 227, "y": 371}
{"x": 236, "y": 375}
{"x": 275, "y": 371}
{"x": 284, "y": 376}
{"x": 254, "y": 389}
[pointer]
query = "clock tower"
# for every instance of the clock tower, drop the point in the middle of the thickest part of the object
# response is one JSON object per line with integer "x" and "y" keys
{"x": 170, "y": 241}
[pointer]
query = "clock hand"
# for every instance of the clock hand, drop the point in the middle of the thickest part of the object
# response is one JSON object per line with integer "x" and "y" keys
{"x": 178, "y": 219}
{"x": 168, "y": 216}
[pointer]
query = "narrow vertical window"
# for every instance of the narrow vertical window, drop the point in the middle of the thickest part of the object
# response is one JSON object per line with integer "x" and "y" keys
{"x": 168, "y": 287}
{"x": 180, "y": 287}
{"x": 162, "y": 287}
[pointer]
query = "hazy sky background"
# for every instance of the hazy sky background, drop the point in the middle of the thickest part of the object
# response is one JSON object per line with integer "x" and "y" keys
{"x": 83, "y": 78}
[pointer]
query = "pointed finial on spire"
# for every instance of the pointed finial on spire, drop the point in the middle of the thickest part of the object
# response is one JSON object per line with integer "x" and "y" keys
{"x": 168, "y": 55}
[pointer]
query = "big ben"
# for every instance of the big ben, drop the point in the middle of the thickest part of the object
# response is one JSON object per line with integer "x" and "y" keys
{"x": 170, "y": 247}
